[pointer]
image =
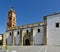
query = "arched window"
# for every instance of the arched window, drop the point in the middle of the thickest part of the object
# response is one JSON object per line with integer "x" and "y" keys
{"x": 10, "y": 19}
{"x": 10, "y": 33}
{"x": 13, "y": 25}
{"x": 14, "y": 19}
{"x": 38, "y": 30}
{"x": 26, "y": 31}
{"x": 18, "y": 32}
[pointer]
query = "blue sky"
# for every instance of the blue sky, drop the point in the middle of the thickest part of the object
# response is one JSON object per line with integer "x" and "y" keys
{"x": 27, "y": 11}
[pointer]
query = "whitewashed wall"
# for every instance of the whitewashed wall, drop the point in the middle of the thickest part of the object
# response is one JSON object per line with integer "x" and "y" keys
{"x": 9, "y": 38}
{"x": 38, "y": 37}
{"x": 53, "y": 33}
{"x": 17, "y": 37}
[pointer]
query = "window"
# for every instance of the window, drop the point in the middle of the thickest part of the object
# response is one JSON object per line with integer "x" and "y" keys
{"x": 38, "y": 30}
{"x": 10, "y": 33}
{"x": 9, "y": 24}
{"x": 18, "y": 32}
{"x": 10, "y": 19}
{"x": 13, "y": 25}
{"x": 57, "y": 25}
{"x": 26, "y": 31}
{"x": 14, "y": 19}
{"x": 31, "y": 30}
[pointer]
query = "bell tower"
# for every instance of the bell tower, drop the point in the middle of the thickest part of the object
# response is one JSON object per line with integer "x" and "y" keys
{"x": 11, "y": 24}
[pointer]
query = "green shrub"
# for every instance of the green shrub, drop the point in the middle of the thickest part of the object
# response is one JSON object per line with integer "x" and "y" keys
{"x": 1, "y": 42}
{"x": 6, "y": 47}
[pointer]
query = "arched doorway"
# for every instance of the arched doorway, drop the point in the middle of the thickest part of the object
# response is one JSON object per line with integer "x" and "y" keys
{"x": 27, "y": 42}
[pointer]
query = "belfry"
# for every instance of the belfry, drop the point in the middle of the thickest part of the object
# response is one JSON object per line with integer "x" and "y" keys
{"x": 11, "y": 24}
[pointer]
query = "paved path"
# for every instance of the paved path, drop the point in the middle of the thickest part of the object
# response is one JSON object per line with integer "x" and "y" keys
{"x": 32, "y": 49}
{"x": 27, "y": 48}
{"x": 1, "y": 49}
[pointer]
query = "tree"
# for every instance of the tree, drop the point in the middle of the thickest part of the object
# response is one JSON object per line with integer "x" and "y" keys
{"x": 1, "y": 42}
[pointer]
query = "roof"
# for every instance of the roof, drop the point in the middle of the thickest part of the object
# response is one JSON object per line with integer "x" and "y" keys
{"x": 45, "y": 17}
{"x": 33, "y": 24}
{"x": 38, "y": 24}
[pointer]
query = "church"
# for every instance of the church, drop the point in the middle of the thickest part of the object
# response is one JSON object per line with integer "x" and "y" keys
{"x": 40, "y": 33}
